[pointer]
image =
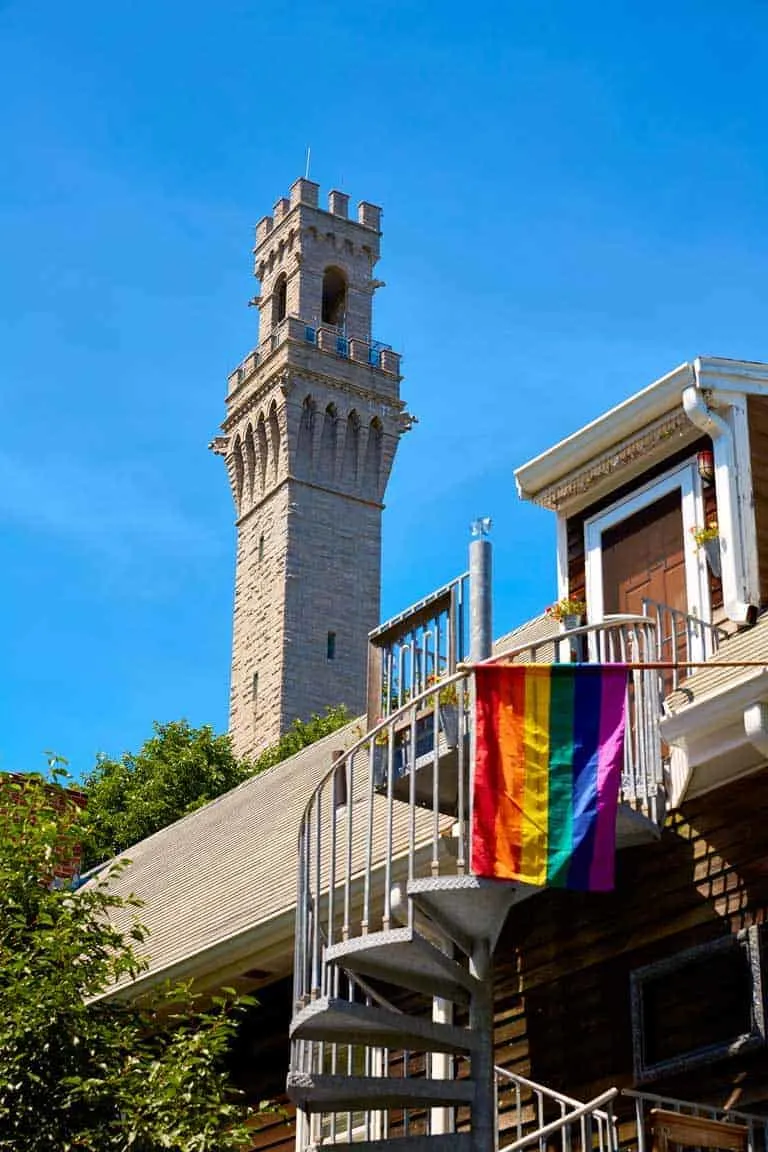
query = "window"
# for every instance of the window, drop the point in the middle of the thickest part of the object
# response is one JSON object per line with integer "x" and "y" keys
{"x": 255, "y": 687}
{"x": 330, "y": 646}
{"x": 279, "y": 299}
{"x": 701, "y": 1005}
{"x": 334, "y": 297}
{"x": 261, "y": 547}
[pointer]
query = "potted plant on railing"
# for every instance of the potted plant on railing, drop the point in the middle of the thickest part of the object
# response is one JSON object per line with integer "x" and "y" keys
{"x": 448, "y": 708}
{"x": 707, "y": 540}
{"x": 381, "y": 757}
{"x": 568, "y": 612}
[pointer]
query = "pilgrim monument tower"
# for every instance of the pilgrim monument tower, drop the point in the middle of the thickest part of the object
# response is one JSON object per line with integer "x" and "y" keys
{"x": 313, "y": 421}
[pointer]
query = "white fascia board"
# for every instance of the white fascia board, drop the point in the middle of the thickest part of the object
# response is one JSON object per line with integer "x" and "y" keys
{"x": 274, "y": 938}
{"x": 601, "y": 434}
{"x": 712, "y": 713}
{"x": 725, "y": 375}
{"x": 715, "y": 372}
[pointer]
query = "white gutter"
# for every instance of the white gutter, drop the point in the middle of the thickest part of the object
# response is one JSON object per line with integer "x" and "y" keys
{"x": 739, "y": 599}
{"x": 601, "y": 434}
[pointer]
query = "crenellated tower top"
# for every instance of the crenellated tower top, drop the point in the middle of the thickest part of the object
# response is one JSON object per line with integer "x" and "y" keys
{"x": 317, "y": 265}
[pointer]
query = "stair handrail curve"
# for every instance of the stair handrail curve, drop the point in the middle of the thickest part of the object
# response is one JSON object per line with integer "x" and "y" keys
{"x": 329, "y": 872}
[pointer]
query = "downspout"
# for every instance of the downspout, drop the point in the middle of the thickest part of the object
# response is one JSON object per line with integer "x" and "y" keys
{"x": 736, "y": 596}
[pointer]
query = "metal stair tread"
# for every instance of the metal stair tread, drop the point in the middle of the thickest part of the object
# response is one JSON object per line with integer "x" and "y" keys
{"x": 321, "y": 1092}
{"x": 467, "y": 908}
{"x": 334, "y": 1020}
{"x": 404, "y": 957}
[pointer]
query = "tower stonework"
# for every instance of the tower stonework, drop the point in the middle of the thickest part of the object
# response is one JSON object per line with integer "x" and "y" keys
{"x": 313, "y": 421}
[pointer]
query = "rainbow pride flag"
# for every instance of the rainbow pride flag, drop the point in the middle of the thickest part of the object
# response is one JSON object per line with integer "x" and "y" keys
{"x": 548, "y": 758}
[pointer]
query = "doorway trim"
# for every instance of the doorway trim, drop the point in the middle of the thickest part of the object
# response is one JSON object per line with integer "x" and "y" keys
{"x": 685, "y": 478}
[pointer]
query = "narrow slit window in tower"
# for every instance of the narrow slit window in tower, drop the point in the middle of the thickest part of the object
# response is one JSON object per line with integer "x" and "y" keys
{"x": 330, "y": 646}
{"x": 261, "y": 547}
{"x": 255, "y": 688}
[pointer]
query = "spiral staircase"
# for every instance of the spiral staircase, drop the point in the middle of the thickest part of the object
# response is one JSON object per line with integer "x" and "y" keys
{"x": 392, "y": 1032}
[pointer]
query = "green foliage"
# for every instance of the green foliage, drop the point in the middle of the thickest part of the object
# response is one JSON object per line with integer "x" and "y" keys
{"x": 300, "y": 734}
{"x": 78, "y": 1071}
{"x": 179, "y": 769}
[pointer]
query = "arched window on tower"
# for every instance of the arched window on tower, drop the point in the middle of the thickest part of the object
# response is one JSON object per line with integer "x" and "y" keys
{"x": 261, "y": 443}
{"x": 306, "y": 438}
{"x": 239, "y": 465}
{"x": 373, "y": 457}
{"x": 351, "y": 448}
{"x": 334, "y": 297}
{"x": 250, "y": 465}
{"x": 328, "y": 439}
{"x": 274, "y": 439}
{"x": 279, "y": 299}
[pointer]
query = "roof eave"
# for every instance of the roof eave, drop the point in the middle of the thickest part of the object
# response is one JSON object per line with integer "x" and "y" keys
{"x": 601, "y": 434}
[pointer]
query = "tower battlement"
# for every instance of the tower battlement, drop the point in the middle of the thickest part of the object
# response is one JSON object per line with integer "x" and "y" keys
{"x": 306, "y": 193}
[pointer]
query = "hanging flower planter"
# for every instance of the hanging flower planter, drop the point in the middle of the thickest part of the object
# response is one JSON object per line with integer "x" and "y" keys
{"x": 712, "y": 553}
{"x": 708, "y": 541}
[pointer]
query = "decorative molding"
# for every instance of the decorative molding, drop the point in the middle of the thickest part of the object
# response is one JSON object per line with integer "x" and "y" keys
{"x": 284, "y": 376}
{"x": 647, "y": 1070}
{"x": 558, "y": 495}
{"x": 219, "y": 445}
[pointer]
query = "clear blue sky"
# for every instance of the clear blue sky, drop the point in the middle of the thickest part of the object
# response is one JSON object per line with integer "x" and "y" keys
{"x": 575, "y": 201}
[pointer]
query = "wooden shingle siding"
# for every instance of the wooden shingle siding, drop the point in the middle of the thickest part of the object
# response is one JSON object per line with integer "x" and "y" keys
{"x": 757, "y": 413}
{"x": 276, "y": 1131}
{"x": 563, "y": 963}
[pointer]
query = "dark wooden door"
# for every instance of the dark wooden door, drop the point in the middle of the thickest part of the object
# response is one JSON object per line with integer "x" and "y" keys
{"x": 644, "y": 557}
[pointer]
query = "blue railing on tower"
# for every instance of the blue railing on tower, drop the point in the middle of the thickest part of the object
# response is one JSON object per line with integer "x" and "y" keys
{"x": 375, "y": 351}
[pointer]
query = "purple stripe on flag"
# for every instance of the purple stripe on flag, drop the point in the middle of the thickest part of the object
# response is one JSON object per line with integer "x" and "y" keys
{"x": 609, "y": 764}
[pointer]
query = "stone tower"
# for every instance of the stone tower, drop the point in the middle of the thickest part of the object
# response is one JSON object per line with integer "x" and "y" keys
{"x": 313, "y": 420}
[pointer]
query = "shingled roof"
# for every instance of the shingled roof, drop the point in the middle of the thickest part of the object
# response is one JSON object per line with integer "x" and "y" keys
{"x": 220, "y": 874}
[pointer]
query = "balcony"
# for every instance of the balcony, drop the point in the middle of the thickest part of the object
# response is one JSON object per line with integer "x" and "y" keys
{"x": 329, "y": 340}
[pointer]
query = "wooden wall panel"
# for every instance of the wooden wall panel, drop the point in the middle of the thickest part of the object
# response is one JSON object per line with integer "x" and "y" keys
{"x": 564, "y": 960}
{"x": 275, "y": 1131}
{"x": 757, "y": 413}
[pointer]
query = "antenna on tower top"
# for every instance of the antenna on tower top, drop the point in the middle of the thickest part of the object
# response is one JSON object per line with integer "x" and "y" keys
{"x": 306, "y": 172}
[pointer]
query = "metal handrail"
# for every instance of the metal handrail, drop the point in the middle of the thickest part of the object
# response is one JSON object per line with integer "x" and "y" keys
{"x": 591, "y": 1108}
{"x": 542, "y": 1089}
{"x": 673, "y": 626}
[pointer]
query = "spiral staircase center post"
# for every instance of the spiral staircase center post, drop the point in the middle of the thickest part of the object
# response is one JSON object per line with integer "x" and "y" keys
{"x": 483, "y": 1075}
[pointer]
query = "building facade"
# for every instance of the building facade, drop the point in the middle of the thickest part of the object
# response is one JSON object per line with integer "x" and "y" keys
{"x": 313, "y": 420}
